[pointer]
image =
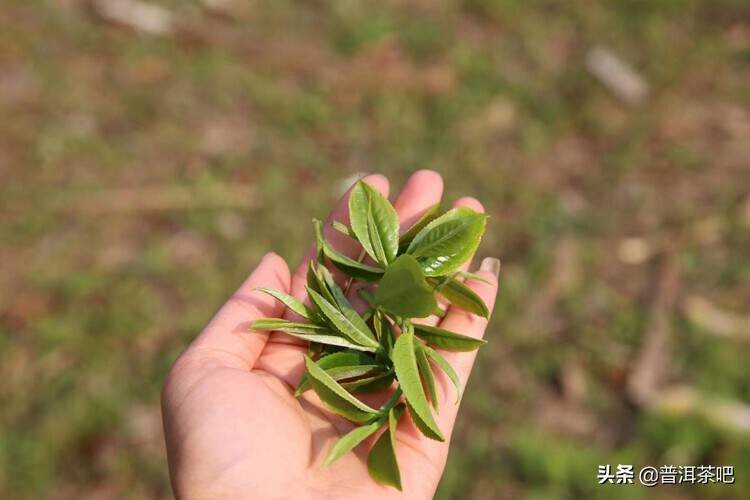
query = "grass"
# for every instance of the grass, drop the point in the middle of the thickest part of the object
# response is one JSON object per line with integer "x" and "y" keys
{"x": 290, "y": 99}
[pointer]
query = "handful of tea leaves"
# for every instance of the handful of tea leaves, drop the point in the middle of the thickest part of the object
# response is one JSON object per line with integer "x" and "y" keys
{"x": 353, "y": 353}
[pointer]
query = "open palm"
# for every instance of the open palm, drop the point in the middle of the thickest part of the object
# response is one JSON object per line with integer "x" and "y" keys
{"x": 232, "y": 424}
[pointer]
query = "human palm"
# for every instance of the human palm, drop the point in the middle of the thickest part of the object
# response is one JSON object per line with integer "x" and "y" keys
{"x": 232, "y": 424}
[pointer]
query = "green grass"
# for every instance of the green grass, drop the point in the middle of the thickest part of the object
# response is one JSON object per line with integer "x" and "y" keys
{"x": 292, "y": 99}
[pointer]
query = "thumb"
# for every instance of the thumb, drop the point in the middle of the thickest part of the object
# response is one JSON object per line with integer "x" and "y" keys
{"x": 227, "y": 338}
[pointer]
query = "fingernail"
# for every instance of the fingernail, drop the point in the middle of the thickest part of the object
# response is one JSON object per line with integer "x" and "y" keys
{"x": 491, "y": 264}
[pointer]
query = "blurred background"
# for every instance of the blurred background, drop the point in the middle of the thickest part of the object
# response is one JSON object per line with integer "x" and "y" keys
{"x": 152, "y": 151}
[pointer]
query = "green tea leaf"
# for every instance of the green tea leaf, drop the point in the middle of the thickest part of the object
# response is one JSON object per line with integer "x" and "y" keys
{"x": 447, "y": 368}
{"x": 352, "y": 267}
{"x": 370, "y": 383}
{"x": 405, "y": 363}
{"x": 387, "y": 336}
{"x": 367, "y": 296}
{"x": 346, "y": 307}
{"x": 343, "y": 304}
{"x": 335, "y": 397}
{"x": 367, "y": 315}
{"x": 377, "y": 244}
{"x": 422, "y": 426}
{"x": 351, "y": 440}
{"x": 291, "y": 303}
{"x": 330, "y": 340}
{"x": 461, "y": 295}
{"x": 472, "y": 276}
{"x": 355, "y": 330}
{"x": 308, "y": 332}
{"x": 343, "y": 229}
{"x": 392, "y": 401}
{"x": 403, "y": 290}
{"x": 382, "y": 463}
{"x": 375, "y": 222}
{"x": 320, "y": 241}
{"x": 377, "y": 324}
{"x": 444, "y": 339}
{"x": 279, "y": 324}
{"x": 346, "y": 264}
{"x": 327, "y": 279}
{"x": 315, "y": 349}
{"x": 448, "y": 241}
{"x": 425, "y": 370}
{"x": 427, "y": 217}
{"x": 316, "y": 281}
{"x": 341, "y": 365}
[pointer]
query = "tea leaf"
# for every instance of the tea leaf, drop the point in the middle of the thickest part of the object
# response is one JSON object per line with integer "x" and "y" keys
{"x": 320, "y": 241}
{"x": 291, "y": 303}
{"x": 349, "y": 441}
{"x": 327, "y": 279}
{"x": 405, "y": 363}
{"x": 317, "y": 282}
{"x": 346, "y": 264}
{"x": 404, "y": 291}
{"x": 343, "y": 229}
{"x": 448, "y": 241}
{"x": 367, "y": 296}
{"x": 427, "y": 217}
{"x": 377, "y": 244}
{"x": 425, "y": 370}
{"x": 392, "y": 400}
{"x": 291, "y": 326}
{"x": 335, "y": 397}
{"x": 346, "y": 307}
{"x": 314, "y": 349}
{"x": 308, "y": 332}
{"x": 382, "y": 463}
{"x": 332, "y": 340}
{"x": 422, "y": 426}
{"x": 472, "y": 276}
{"x": 375, "y": 222}
{"x": 371, "y": 383}
{"x": 444, "y": 339}
{"x": 341, "y": 365}
{"x": 367, "y": 315}
{"x": 387, "y": 336}
{"x": 447, "y": 368}
{"x": 461, "y": 295}
{"x": 352, "y": 267}
{"x": 377, "y": 324}
{"x": 354, "y": 329}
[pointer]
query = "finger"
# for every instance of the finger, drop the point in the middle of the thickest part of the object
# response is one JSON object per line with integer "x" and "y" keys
{"x": 422, "y": 190}
{"x": 467, "y": 202}
{"x": 463, "y": 322}
{"x": 340, "y": 242}
{"x": 283, "y": 359}
{"x": 227, "y": 337}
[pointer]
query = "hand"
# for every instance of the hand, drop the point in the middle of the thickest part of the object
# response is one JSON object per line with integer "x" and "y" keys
{"x": 233, "y": 427}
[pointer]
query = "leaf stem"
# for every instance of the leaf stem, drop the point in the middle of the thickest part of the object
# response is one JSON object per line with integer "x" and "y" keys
{"x": 392, "y": 401}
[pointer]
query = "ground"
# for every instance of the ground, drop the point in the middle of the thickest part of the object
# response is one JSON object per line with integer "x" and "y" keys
{"x": 142, "y": 176}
